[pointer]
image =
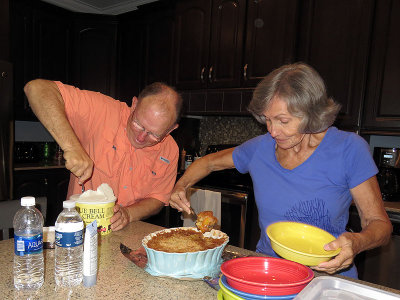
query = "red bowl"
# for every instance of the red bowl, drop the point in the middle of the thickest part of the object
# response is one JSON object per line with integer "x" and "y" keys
{"x": 268, "y": 276}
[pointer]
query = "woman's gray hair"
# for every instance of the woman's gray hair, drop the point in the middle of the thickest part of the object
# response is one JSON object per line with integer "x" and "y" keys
{"x": 304, "y": 92}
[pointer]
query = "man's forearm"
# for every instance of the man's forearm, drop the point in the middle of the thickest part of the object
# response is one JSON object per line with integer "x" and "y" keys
{"x": 144, "y": 208}
{"x": 48, "y": 105}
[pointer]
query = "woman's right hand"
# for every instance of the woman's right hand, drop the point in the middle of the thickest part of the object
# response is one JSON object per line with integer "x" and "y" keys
{"x": 178, "y": 199}
{"x": 79, "y": 163}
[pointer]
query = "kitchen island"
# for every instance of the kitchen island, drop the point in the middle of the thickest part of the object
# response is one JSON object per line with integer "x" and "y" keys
{"x": 118, "y": 277}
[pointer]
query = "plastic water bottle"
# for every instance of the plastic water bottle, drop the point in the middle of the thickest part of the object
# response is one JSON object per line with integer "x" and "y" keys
{"x": 69, "y": 246}
{"x": 28, "y": 246}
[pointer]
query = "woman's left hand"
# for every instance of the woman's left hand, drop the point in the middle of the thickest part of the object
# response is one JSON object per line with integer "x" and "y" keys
{"x": 348, "y": 242}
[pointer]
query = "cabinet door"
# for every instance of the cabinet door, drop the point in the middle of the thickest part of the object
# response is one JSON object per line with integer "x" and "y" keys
{"x": 159, "y": 47}
{"x": 131, "y": 37}
{"x": 192, "y": 19}
{"x": 94, "y": 54}
{"x": 270, "y": 37}
{"x": 4, "y": 30}
{"x": 226, "y": 46}
{"x": 334, "y": 40}
{"x": 22, "y": 55}
{"x": 51, "y": 38}
{"x": 382, "y": 107}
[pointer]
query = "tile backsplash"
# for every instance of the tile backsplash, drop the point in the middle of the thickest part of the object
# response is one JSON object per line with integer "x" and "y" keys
{"x": 227, "y": 130}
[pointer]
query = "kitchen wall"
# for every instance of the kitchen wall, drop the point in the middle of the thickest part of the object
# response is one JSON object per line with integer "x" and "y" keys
{"x": 227, "y": 130}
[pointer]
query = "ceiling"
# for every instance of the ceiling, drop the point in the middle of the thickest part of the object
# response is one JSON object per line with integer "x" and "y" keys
{"x": 105, "y": 7}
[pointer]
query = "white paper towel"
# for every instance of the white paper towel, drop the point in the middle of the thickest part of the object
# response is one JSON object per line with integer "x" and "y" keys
{"x": 201, "y": 200}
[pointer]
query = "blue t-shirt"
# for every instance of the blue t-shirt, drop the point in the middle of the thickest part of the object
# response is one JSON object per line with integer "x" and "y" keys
{"x": 317, "y": 192}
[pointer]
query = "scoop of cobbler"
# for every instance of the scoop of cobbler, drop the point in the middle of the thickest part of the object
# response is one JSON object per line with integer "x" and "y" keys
{"x": 206, "y": 221}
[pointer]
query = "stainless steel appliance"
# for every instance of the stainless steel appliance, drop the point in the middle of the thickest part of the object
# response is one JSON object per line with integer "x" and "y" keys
{"x": 388, "y": 162}
{"x": 6, "y": 130}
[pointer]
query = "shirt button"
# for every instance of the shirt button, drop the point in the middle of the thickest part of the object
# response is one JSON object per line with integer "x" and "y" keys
{"x": 130, "y": 169}
{"x": 125, "y": 187}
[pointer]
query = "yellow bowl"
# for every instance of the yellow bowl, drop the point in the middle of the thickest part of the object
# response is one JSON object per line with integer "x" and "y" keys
{"x": 301, "y": 242}
{"x": 225, "y": 294}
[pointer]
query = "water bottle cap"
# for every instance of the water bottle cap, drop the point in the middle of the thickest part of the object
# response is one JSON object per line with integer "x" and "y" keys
{"x": 69, "y": 204}
{"x": 28, "y": 201}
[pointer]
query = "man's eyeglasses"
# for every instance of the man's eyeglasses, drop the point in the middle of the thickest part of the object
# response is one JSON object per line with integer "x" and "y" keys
{"x": 152, "y": 136}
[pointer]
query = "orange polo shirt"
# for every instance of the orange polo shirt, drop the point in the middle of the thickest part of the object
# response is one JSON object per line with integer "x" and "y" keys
{"x": 100, "y": 122}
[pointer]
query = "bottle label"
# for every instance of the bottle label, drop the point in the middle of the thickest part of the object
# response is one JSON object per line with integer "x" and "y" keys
{"x": 24, "y": 245}
{"x": 69, "y": 239}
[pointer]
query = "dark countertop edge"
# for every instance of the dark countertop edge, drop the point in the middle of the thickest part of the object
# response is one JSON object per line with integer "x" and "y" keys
{"x": 37, "y": 166}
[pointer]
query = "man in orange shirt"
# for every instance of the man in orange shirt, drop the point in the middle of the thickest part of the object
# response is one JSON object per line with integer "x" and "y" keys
{"x": 105, "y": 141}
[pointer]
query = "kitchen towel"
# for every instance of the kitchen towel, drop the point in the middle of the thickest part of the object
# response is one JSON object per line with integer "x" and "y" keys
{"x": 202, "y": 200}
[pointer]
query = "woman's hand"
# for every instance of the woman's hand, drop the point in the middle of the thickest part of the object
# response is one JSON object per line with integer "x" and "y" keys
{"x": 349, "y": 244}
{"x": 120, "y": 218}
{"x": 178, "y": 199}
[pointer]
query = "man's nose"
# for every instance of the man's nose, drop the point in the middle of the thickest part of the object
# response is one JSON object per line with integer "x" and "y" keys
{"x": 142, "y": 136}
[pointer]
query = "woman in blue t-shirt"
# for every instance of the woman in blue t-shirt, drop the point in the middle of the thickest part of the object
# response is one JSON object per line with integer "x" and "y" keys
{"x": 303, "y": 169}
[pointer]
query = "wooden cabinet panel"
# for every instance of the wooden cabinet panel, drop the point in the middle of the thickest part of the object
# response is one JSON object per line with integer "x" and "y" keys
{"x": 130, "y": 58}
{"x": 226, "y": 43}
{"x": 334, "y": 39}
{"x": 51, "y": 37}
{"x": 160, "y": 47}
{"x": 271, "y": 31}
{"x": 94, "y": 53}
{"x": 40, "y": 48}
{"x": 382, "y": 106}
{"x": 4, "y": 30}
{"x": 22, "y": 55}
{"x": 193, "y": 19}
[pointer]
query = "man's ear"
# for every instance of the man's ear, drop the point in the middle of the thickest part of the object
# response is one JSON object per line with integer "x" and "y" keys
{"x": 173, "y": 128}
{"x": 134, "y": 103}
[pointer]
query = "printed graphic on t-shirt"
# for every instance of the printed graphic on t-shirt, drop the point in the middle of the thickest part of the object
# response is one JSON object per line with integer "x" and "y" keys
{"x": 315, "y": 212}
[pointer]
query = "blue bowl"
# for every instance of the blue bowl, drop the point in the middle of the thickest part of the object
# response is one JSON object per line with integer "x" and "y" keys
{"x": 248, "y": 296}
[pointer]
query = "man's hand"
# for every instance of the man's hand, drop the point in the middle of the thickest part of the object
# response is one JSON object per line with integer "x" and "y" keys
{"x": 120, "y": 218}
{"x": 79, "y": 163}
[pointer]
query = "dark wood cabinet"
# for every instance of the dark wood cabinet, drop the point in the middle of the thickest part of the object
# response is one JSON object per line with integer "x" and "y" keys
{"x": 40, "y": 48}
{"x": 146, "y": 48}
{"x": 209, "y": 43}
{"x": 131, "y": 42}
{"x": 94, "y": 53}
{"x": 159, "y": 47}
{"x": 334, "y": 38}
{"x": 52, "y": 183}
{"x": 382, "y": 105}
{"x": 271, "y": 31}
{"x": 4, "y": 30}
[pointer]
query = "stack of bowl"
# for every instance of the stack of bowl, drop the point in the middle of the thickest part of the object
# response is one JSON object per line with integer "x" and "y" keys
{"x": 256, "y": 278}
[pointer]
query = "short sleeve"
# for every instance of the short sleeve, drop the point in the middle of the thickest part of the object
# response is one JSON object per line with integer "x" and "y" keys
{"x": 359, "y": 165}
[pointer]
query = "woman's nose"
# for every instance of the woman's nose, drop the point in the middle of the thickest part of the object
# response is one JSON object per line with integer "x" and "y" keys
{"x": 272, "y": 130}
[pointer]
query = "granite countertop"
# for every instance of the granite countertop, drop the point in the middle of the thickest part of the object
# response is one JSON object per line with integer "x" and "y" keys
{"x": 118, "y": 277}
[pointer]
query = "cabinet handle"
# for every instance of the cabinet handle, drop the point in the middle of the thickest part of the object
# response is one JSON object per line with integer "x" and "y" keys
{"x": 210, "y": 74}
{"x": 245, "y": 71}
{"x": 202, "y": 74}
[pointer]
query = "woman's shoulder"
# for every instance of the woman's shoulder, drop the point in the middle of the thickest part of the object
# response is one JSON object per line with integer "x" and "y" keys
{"x": 344, "y": 140}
